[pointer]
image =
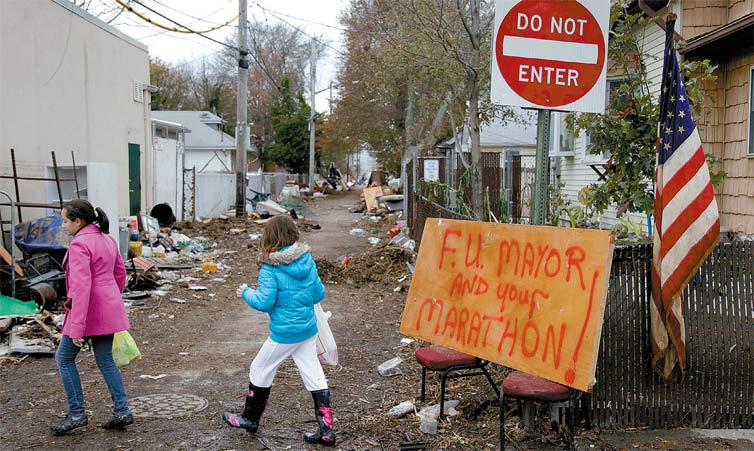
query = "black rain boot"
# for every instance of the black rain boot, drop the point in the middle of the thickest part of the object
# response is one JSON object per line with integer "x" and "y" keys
{"x": 119, "y": 421}
{"x": 69, "y": 424}
{"x": 256, "y": 401}
{"x": 325, "y": 434}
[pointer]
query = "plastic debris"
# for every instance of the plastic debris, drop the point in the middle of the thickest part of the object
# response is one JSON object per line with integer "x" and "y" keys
{"x": 154, "y": 378}
{"x": 390, "y": 367}
{"x": 357, "y": 232}
{"x": 401, "y": 409}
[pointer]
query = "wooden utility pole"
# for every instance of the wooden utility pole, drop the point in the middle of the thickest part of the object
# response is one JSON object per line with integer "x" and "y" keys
{"x": 312, "y": 93}
{"x": 242, "y": 130}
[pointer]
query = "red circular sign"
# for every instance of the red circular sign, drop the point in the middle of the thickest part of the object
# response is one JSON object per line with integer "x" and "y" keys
{"x": 550, "y": 52}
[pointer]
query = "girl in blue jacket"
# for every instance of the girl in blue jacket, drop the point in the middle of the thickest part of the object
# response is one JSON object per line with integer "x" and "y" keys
{"x": 287, "y": 289}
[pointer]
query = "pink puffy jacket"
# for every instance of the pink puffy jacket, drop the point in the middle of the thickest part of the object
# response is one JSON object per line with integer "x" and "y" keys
{"x": 95, "y": 277}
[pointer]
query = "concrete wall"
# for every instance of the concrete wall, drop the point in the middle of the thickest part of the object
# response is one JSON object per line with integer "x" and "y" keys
{"x": 67, "y": 83}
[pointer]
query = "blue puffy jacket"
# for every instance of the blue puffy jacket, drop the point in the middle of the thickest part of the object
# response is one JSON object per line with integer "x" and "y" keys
{"x": 287, "y": 290}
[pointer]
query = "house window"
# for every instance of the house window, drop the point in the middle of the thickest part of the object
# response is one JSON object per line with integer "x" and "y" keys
{"x": 610, "y": 92}
{"x": 562, "y": 142}
{"x": 751, "y": 111}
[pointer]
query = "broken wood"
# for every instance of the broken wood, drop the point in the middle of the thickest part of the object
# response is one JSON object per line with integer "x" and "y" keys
{"x": 7, "y": 257}
{"x": 5, "y": 324}
{"x": 46, "y": 328}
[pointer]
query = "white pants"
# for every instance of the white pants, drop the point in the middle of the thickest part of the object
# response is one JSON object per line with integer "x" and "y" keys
{"x": 304, "y": 355}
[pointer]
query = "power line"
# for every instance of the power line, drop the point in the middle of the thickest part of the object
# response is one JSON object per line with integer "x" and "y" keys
{"x": 199, "y": 18}
{"x": 243, "y": 53}
{"x": 334, "y": 27}
{"x": 273, "y": 14}
{"x": 147, "y": 19}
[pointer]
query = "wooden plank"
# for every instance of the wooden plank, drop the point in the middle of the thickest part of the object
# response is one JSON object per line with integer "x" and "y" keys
{"x": 8, "y": 258}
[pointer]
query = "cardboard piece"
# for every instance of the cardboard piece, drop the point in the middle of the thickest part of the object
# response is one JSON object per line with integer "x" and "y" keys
{"x": 527, "y": 297}
{"x": 371, "y": 195}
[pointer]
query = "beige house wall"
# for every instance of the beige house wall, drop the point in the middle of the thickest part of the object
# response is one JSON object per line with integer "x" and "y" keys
{"x": 701, "y": 16}
{"x": 737, "y": 193}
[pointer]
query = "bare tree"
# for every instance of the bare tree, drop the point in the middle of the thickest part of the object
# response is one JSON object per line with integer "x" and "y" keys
{"x": 103, "y": 10}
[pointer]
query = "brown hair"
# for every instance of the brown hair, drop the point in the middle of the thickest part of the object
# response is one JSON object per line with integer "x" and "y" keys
{"x": 280, "y": 231}
{"x": 82, "y": 209}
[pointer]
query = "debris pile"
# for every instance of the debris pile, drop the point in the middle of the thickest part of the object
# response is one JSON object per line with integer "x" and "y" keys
{"x": 384, "y": 264}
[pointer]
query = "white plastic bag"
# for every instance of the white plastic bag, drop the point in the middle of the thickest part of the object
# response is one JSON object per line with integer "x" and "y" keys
{"x": 327, "y": 350}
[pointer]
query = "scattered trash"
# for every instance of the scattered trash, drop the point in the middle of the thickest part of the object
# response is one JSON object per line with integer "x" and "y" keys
{"x": 357, "y": 232}
{"x": 209, "y": 267}
{"x": 428, "y": 425}
{"x": 433, "y": 411}
{"x": 401, "y": 409}
{"x": 177, "y": 301}
{"x": 402, "y": 240}
{"x": 217, "y": 279}
{"x": 255, "y": 236}
{"x": 135, "y": 294}
{"x": 344, "y": 262}
{"x": 394, "y": 231}
{"x": 429, "y": 415}
{"x": 407, "y": 341}
{"x": 374, "y": 241}
{"x": 183, "y": 354}
{"x": 24, "y": 340}
{"x": 410, "y": 444}
{"x": 186, "y": 279}
{"x": 236, "y": 231}
{"x": 154, "y": 378}
{"x": 158, "y": 293}
{"x": 197, "y": 288}
{"x": 390, "y": 367}
{"x": 168, "y": 275}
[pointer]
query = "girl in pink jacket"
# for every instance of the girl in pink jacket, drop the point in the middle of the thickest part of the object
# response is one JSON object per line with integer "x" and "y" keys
{"x": 95, "y": 277}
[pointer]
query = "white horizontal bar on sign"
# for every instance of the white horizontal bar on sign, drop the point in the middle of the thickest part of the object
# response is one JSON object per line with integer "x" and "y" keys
{"x": 547, "y": 49}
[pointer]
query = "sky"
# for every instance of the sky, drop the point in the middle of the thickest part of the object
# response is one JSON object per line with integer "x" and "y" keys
{"x": 312, "y": 17}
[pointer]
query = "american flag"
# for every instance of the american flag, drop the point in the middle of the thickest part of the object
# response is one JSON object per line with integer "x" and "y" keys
{"x": 687, "y": 223}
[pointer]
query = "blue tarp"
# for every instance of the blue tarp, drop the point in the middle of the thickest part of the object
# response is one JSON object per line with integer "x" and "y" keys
{"x": 42, "y": 235}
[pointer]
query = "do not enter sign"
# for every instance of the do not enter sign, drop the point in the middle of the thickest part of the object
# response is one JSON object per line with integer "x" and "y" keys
{"x": 551, "y": 54}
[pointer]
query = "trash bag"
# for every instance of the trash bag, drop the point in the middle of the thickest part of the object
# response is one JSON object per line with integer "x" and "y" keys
{"x": 124, "y": 349}
{"x": 327, "y": 350}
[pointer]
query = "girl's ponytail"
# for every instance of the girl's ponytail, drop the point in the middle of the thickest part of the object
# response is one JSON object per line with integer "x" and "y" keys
{"x": 101, "y": 220}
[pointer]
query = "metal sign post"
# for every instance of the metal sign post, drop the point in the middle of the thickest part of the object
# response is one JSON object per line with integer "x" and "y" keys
{"x": 542, "y": 168}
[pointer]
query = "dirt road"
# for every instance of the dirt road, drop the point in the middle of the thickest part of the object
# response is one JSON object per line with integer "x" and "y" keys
{"x": 201, "y": 350}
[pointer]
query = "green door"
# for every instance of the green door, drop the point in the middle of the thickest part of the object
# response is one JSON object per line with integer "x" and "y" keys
{"x": 134, "y": 178}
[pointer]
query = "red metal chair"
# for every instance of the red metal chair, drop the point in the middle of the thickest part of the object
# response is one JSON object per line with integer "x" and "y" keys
{"x": 453, "y": 364}
{"x": 522, "y": 386}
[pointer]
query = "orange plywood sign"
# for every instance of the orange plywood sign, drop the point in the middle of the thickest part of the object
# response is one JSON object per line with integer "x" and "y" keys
{"x": 527, "y": 297}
